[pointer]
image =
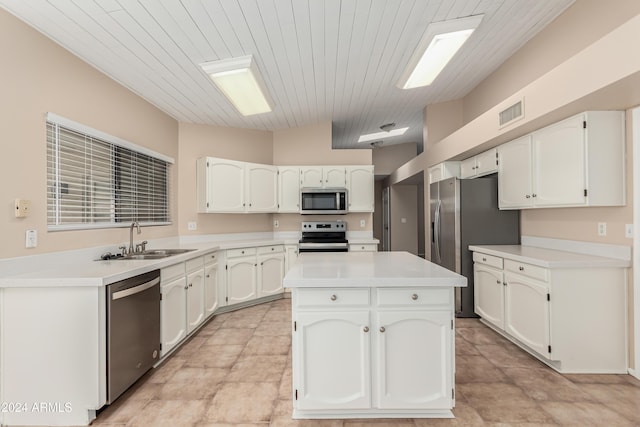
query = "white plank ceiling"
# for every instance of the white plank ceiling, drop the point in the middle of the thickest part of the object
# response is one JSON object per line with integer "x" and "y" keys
{"x": 335, "y": 60}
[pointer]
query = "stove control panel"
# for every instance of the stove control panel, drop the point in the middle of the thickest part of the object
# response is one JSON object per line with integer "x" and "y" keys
{"x": 324, "y": 226}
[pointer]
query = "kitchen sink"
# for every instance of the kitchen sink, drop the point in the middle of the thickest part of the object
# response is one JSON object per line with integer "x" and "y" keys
{"x": 148, "y": 254}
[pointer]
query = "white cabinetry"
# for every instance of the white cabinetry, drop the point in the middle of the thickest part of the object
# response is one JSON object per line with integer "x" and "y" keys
{"x": 323, "y": 176}
{"x": 363, "y": 247}
{"x": 271, "y": 260}
{"x": 488, "y": 293}
{"x": 563, "y": 316}
{"x": 479, "y": 165}
{"x": 254, "y": 273}
{"x": 173, "y": 306}
{"x": 288, "y": 189}
{"x": 195, "y": 293}
{"x": 444, "y": 170}
{"x": 360, "y": 183}
{"x": 579, "y": 161}
{"x": 291, "y": 256}
{"x": 211, "y": 283}
{"x": 232, "y": 186}
{"x": 382, "y": 351}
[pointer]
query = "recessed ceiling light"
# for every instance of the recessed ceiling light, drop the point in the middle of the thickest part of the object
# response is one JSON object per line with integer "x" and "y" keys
{"x": 439, "y": 44}
{"x": 382, "y": 135}
{"x": 240, "y": 81}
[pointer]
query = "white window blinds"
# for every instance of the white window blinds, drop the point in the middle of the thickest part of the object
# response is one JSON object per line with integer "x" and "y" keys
{"x": 96, "y": 183}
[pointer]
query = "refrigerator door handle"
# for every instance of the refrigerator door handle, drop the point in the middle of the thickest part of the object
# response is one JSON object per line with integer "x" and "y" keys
{"x": 437, "y": 232}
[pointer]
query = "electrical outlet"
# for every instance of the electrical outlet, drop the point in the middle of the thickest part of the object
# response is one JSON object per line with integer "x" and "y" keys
{"x": 362, "y": 223}
{"x": 276, "y": 223}
{"x": 192, "y": 226}
{"x": 23, "y": 208}
{"x": 602, "y": 229}
{"x": 628, "y": 231}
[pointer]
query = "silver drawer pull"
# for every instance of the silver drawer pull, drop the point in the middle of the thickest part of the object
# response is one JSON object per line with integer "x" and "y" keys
{"x": 484, "y": 259}
{"x": 414, "y": 297}
{"x": 521, "y": 268}
{"x": 498, "y": 282}
{"x": 366, "y": 329}
{"x": 333, "y": 297}
{"x": 382, "y": 329}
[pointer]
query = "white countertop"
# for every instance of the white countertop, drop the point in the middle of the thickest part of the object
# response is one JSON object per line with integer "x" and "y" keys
{"x": 100, "y": 273}
{"x": 368, "y": 269}
{"x": 549, "y": 258}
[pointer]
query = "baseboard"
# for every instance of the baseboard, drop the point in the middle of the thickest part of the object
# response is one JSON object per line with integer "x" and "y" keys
{"x": 634, "y": 373}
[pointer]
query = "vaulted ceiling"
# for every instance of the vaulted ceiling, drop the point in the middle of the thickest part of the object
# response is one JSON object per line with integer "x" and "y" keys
{"x": 336, "y": 60}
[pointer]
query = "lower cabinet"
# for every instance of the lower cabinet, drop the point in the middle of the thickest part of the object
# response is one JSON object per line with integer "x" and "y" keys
{"x": 382, "y": 351}
{"x": 173, "y": 307}
{"x": 363, "y": 247}
{"x": 195, "y": 293}
{"x": 254, "y": 273}
{"x": 211, "y": 283}
{"x": 573, "y": 319}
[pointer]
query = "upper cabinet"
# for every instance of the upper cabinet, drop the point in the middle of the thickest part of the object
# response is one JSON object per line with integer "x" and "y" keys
{"x": 323, "y": 177}
{"x": 360, "y": 183}
{"x": 444, "y": 170}
{"x": 227, "y": 186}
{"x": 230, "y": 186}
{"x": 579, "y": 161}
{"x": 479, "y": 165}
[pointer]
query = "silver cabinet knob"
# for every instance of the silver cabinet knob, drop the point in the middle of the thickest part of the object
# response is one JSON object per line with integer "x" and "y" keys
{"x": 521, "y": 268}
{"x": 498, "y": 282}
{"x": 333, "y": 297}
{"x": 382, "y": 329}
{"x": 527, "y": 196}
{"x": 484, "y": 259}
{"x": 414, "y": 297}
{"x": 366, "y": 329}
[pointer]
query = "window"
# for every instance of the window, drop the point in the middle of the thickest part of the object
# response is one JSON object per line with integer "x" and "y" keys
{"x": 96, "y": 180}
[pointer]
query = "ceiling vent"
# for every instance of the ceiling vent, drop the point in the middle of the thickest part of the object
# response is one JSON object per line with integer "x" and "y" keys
{"x": 512, "y": 113}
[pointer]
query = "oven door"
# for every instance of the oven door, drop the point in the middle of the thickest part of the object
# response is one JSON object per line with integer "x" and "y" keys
{"x": 322, "y": 247}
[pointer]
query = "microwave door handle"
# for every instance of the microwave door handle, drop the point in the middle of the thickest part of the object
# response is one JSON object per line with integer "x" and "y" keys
{"x": 337, "y": 200}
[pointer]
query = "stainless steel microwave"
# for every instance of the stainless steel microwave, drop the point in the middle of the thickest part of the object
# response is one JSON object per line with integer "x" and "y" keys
{"x": 323, "y": 201}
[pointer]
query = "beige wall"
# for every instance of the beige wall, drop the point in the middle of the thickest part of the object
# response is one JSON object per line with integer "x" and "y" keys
{"x": 388, "y": 159}
{"x": 404, "y": 206}
{"x": 441, "y": 120}
{"x": 227, "y": 143}
{"x": 38, "y": 76}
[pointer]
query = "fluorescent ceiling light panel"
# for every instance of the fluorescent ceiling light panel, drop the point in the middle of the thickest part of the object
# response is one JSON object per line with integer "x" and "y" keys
{"x": 382, "y": 135}
{"x": 439, "y": 44}
{"x": 240, "y": 81}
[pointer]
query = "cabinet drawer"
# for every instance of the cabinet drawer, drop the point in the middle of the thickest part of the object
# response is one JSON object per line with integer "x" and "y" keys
{"x": 414, "y": 297}
{"x": 529, "y": 270}
{"x": 332, "y": 297}
{"x": 491, "y": 260}
{"x": 363, "y": 247}
{"x": 211, "y": 258}
{"x": 172, "y": 272}
{"x": 270, "y": 249}
{"x": 194, "y": 264}
{"x": 234, "y": 253}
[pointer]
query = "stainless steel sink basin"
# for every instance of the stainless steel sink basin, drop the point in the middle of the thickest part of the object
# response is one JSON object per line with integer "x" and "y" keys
{"x": 149, "y": 254}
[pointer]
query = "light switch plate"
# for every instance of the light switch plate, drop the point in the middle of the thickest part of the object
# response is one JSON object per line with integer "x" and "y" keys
{"x": 31, "y": 238}
{"x": 628, "y": 231}
{"x": 362, "y": 223}
{"x": 192, "y": 226}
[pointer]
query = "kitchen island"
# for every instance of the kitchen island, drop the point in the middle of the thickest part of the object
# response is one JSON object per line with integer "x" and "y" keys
{"x": 373, "y": 336}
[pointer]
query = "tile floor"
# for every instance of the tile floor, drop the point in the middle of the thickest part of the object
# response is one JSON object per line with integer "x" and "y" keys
{"x": 237, "y": 371}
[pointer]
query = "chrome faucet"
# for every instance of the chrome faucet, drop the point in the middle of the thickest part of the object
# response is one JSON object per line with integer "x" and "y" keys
{"x": 133, "y": 224}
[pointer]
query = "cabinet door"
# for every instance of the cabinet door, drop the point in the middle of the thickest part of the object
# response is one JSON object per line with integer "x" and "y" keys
{"x": 241, "y": 280}
{"x": 311, "y": 177}
{"x": 334, "y": 348}
{"x": 210, "y": 288}
{"x": 289, "y": 189}
{"x": 291, "y": 252}
{"x": 334, "y": 176}
{"x": 468, "y": 168}
{"x": 225, "y": 185}
{"x": 360, "y": 182}
{"x": 173, "y": 315}
{"x": 486, "y": 163}
{"x": 559, "y": 164}
{"x": 270, "y": 274}
{"x": 262, "y": 184}
{"x": 195, "y": 299}
{"x": 514, "y": 174}
{"x": 488, "y": 294}
{"x": 414, "y": 359}
{"x": 527, "y": 311}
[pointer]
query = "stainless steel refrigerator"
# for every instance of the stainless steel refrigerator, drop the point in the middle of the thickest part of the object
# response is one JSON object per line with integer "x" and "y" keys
{"x": 465, "y": 212}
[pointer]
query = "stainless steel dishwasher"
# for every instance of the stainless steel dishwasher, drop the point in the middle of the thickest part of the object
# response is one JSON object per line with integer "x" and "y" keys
{"x": 133, "y": 330}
